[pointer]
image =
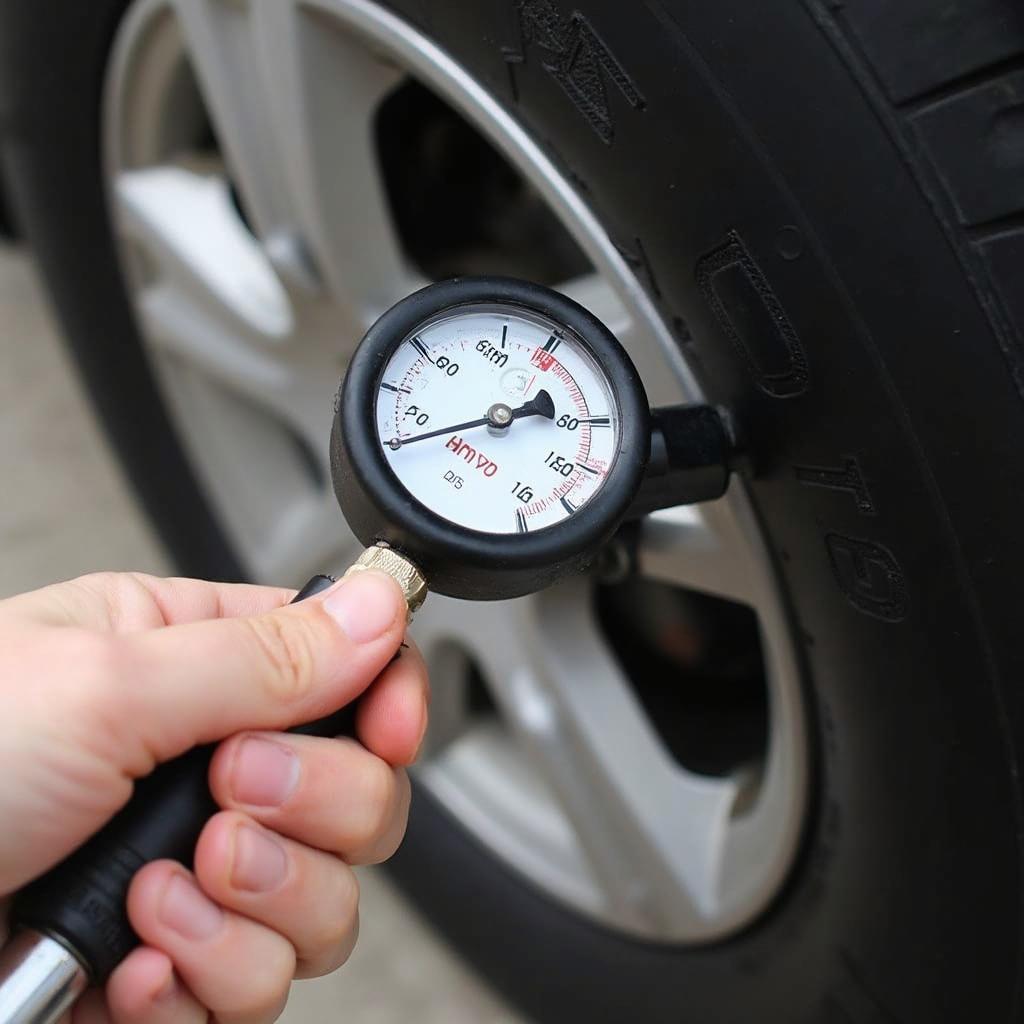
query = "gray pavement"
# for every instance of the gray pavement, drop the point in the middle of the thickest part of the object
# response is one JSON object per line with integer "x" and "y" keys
{"x": 64, "y": 510}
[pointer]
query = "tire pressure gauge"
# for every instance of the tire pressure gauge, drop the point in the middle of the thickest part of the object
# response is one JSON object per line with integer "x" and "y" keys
{"x": 492, "y": 430}
{"x": 489, "y": 438}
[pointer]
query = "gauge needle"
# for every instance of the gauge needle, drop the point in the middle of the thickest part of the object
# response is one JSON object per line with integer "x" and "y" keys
{"x": 541, "y": 405}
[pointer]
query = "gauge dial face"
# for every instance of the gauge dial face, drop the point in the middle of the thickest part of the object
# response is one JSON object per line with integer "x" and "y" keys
{"x": 497, "y": 419}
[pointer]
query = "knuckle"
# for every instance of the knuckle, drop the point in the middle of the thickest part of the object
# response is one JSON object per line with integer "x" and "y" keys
{"x": 116, "y": 592}
{"x": 287, "y": 647}
{"x": 92, "y": 581}
{"x": 102, "y": 582}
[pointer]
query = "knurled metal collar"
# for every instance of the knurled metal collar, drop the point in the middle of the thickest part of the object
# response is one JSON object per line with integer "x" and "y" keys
{"x": 399, "y": 568}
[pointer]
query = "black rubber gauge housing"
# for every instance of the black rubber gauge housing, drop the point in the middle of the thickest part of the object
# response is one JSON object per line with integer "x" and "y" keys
{"x": 458, "y": 561}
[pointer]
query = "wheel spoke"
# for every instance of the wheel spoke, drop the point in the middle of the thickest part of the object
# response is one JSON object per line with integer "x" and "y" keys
{"x": 231, "y": 65}
{"x": 652, "y": 833}
{"x": 188, "y": 229}
{"x": 329, "y": 114}
{"x": 298, "y": 392}
{"x": 701, "y": 547}
{"x": 293, "y": 101}
{"x": 210, "y": 298}
{"x": 282, "y": 509}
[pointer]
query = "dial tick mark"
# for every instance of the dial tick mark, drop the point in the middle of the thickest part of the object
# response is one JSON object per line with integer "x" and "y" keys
{"x": 552, "y": 343}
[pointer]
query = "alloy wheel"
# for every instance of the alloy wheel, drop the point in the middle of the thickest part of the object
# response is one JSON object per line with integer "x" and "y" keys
{"x": 262, "y": 231}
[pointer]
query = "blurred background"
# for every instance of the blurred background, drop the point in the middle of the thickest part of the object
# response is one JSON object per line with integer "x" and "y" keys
{"x": 66, "y": 511}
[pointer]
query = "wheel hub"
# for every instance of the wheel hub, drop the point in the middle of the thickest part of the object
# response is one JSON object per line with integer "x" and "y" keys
{"x": 250, "y": 303}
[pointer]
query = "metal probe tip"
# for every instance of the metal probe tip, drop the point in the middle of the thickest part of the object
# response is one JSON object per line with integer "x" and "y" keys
{"x": 384, "y": 558}
{"x": 39, "y": 980}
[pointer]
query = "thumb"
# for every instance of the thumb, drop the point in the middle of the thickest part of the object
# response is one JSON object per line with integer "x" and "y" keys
{"x": 183, "y": 685}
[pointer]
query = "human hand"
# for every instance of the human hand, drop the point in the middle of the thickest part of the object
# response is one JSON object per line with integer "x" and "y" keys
{"x": 104, "y": 677}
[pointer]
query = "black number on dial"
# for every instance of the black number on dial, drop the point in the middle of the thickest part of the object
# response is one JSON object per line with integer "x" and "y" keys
{"x": 558, "y": 464}
{"x": 420, "y": 416}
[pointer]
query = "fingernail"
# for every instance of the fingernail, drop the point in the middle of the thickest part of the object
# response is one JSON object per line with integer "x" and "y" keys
{"x": 260, "y": 862}
{"x": 265, "y": 773}
{"x": 364, "y": 605}
{"x": 184, "y": 909}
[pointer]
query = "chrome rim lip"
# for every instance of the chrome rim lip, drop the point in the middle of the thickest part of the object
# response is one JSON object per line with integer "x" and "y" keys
{"x": 542, "y": 790}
